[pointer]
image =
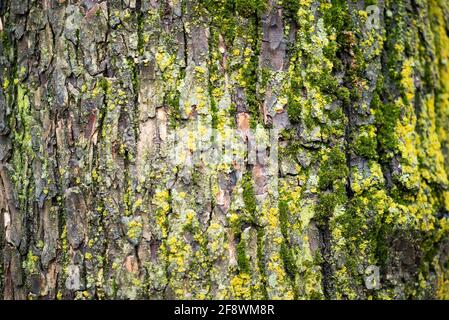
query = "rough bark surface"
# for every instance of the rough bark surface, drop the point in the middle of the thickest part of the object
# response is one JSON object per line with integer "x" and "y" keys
{"x": 92, "y": 207}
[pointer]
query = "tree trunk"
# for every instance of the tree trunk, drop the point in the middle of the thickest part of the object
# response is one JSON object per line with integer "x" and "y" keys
{"x": 197, "y": 149}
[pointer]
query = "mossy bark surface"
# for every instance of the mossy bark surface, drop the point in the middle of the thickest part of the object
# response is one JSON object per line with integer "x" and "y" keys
{"x": 349, "y": 201}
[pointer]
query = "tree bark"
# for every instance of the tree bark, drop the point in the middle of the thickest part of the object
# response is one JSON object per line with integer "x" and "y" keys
{"x": 111, "y": 111}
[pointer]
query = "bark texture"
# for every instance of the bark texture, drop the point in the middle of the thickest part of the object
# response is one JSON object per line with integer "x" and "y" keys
{"x": 357, "y": 206}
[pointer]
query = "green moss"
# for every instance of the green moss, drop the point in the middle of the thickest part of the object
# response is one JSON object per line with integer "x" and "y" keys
{"x": 213, "y": 102}
{"x": 344, "y": 95}
{"x": 221, "y": 8}
{"x": 286, "y": 250}
{"x": 288, "y": 261}
{"x": 250, "y": 7}
{"x": 333, "y": 169}
{"x": 365, "y": 142}
{"x": 250, "y": 75}
{"x": 226, "y": 19}
{"x": 261, "y": 260}
{"x": 134, "y": 231}
{"x": 283, "y": 217}
{"x": 24, "y": 114}
{"x": 245, "y": 8}
{"x": 336, "y": 18}
{"x": 290, "y": 8}
{"x": 249, "y": 197}
{"x": 294, "y": 107}
{"x": 30, "y": 265}
{"x": 242, "y": 259}
{"x": 23, "y": 151}
{"x": 326, "y": 205}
